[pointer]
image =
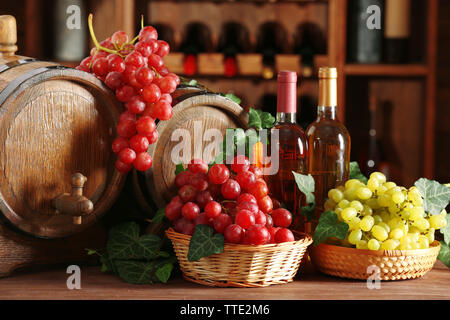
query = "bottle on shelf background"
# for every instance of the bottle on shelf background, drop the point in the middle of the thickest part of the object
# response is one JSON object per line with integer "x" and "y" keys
{"x": 234, "y": 39}
{"x": 328, "y": 145}
{"x": 197, "y": 39}
{"x": 397, "y": 31}
{"x": 272, "y": 39}
{"x": 364, "y": 45}
{"x": 291, "y": 144}
{"x": 166, "y": 33}
{"x": 309, "y": 41}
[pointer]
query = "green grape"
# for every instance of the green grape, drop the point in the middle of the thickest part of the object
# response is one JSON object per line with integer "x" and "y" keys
{"x": 348, "y": 213}
{"x": 379, "y": 233}
{"x": 361, "y": 244}
{"x": 416, "y": 213}
{"x": 405, "y": 246}
{"x": 424, "y": 242}
{"x": 363, "y": 193}
{"x": 380, "y": 190}
{"x": 350, "y": 194}
{"x": 329, "y": 205}
{"x": 388, "y": 185}
{"x": 437, "y": 221}
{"x": 414, "y": 189}
{"x": 338, "y": 210}
{"x": 394, "y": 223}
{"x": 415, "y": 245}
{"x": 341, "y": 188}
{"x": 336, "y": 195}
{"x": 343, "y": 204}
{"x": 413, "y": 236}
{"x": 373, "y": 244}
{"x": 405, "y": 214}
{"x": 404, "y": 227}
{"x": 396, "y": 234}
{"x": 390, "y": 244}
{"x": 352, "y": 183}
{"x": 377, "y": 219}
{"x": 430, "y": 235}
{"x": 421, "y": 224}
{"x": 393, "y": 190}
{"x": 373, "y": 184}
{"x": 405, "y": 240}
{"x": 355, "y": 236}
{"x": 384, "y": 225}
{"x": 414, "y": 230}
{"x": 367, "y": 223}
{"x": 407, "y": 205}
{"x": 358, "y": 206}
{"x": 373, "y": 203}
{"x": 384, "y": 200}
{"x": 353, "y": 224}
{"x": 378, "y": 176}
{"x": 393, "y": 208}
{"x": 366, "y": 211}
{"x": 398, "y": 197}
{"x": 417, "y": 201}
{"x": 385, "y": 216}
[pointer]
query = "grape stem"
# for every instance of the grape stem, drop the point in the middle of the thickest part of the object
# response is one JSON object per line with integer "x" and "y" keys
{"x": 94, "y": 38}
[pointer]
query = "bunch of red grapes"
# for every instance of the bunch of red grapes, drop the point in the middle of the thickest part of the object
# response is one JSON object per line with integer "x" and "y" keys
{"x": 235, "y": 203}
{"x": 137, "y": 74}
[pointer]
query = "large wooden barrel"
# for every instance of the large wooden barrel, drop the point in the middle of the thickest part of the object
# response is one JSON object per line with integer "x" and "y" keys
{"x": 54, "y": 122}
{"x": 195, "y": 110}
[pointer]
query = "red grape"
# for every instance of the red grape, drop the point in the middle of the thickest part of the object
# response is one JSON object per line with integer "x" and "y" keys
{"x": 144, "y": 76}
{"x": 231, "y": 189}
{"x": 201, "y": 219}
{"x": 257, "y": 235}
{"x": 187, "y": 193}
{"x": 188, "y": 228}
{"x": 221, "y": 222}
{"x": 139, "y": 143}
{"x": 123, "y": 167}
{"x": 145, "y": 125}
{"x": 151, "y": 93}
{"x": 167, "y": 85}
{"x": 247, "y": 197}
{"x": 155, "y": 61}
{"x": 203, "y": 198}
{"x": 100, "y": 66}
{"x": 276, "y": 203}
{"x": 198, "y": 165}
{"x": 136, "y": 105}
{"x": 178, "y": 225}
{"x": 119, "y": 38}
{"x": 167, "y": 97}
{"x": 281, "y": 217}
{"x": 144, "y": 48}
{"x": 250, "y": 206}
{"x": 143, "y": 161}
{"x": 272, "y": 231}
{"x": 233, "y": 233}
{"x": 260, "y": 218}
{"x": 284, "y": 235}
{"x": 259, "y": 189}
{"x": 190, "y": 210}
{"x": 240, "y": 164}
{"x": 265, "y": 204}
{"x": 246, "y": 179}
{"x": 125, "y": 93}
{"x": 118, "y": 144}
{"x": 256, "y": 171}
{"x": 183, "y": 178}
{"x": 163, "y": 48}
{"x": 116, "y": 63}
{"x": 163, "y": 110}
{"x": 245, "y": 218}
{"x": 269, "y": 220}
{"x": 127, "y": 155}
{"x": 199, "y": 181}
{"x": 213, "y": 209}
{"x": 218, "y": 173}
{"x": 152, "y": 137}
{"x": 135, "y": 59}
{"x": 148, "y": 33}
{"x": 172, "y": 210}
{"x": 114, "y": 80}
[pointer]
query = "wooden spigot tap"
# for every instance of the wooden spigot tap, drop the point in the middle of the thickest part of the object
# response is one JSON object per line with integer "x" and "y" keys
{"x": 74, "y": 204}
{"x": 8, "y": 35}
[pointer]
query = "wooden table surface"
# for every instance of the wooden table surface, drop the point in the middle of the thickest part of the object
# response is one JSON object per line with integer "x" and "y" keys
{"x": 51, "y": 284}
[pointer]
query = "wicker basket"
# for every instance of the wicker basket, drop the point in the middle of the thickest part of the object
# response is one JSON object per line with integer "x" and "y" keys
{"x": 242, "y": 265}
{"x": 394, "y": 264}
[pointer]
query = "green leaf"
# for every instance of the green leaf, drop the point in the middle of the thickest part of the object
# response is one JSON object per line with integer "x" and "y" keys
{"x": 254, "y": 119}
{"x": 232, "y": 97}
{"x": 135, "y": 272}
{"x": 267, "y": 120}
{"x": 192, "y": 83}
{"x": 355, "y": 172}
{"x": 444, "y": 254}
{"x": 90, "y": 252}
{"x": 124, "y": 243}
{"x": 163, "y": 273}
{"x": 306, "y": 185}
{"x": 329, "y": 226}
{"x": 446, "y": 230}
{"x": 159, "y": 216}
{"x": 107, "y": 264}
{"x": 204, "y": 243}
{"x": 179, "y": 168}
{"x": 436, "y": 196}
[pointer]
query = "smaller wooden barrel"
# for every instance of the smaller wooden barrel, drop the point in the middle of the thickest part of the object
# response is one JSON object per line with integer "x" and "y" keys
{"x": 196, "y": 111}
{"x": 54, "y": 122}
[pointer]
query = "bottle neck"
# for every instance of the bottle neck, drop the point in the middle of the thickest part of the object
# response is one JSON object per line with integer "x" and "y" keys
{"x": 283, "y": 117}
{"x": 328, "y": 113}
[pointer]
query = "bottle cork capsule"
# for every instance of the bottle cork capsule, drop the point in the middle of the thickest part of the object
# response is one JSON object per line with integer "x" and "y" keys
{"x": 8, "y": 35}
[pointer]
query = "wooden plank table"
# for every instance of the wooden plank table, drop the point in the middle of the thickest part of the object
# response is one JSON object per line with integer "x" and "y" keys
{"x": 51, "y": 284}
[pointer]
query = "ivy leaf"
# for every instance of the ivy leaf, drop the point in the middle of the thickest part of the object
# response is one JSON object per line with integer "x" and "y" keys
{"x": 444, "y": 254}
{"x": 159, "y": 216}
{"x": 329, "y": 226}
{"x": 163, "y": 273}
{"x": 306, "y": 185}
{"x": 124, "y": 243}
{"x": 135, "y": 272}
{"x": 446, "y": 230}
{"x": 267, "y": 120}
{"x": 232, "y": 97}
{"x": 179, "y": 168}
{"x": 260, "y": 120}
{"x": 107, "y": 264}
{"x": 192, "y": 83}
{"x": 355, "y": 172}
{"x": 204, "y": 243}
{"x": 436, "y": 196}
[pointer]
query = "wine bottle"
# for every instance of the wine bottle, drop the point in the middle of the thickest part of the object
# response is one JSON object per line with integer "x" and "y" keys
{"x": 272, "y": 39}
{"x": 197, "y": 39}
{"x": 291, "y": 144}
{"x": 309, "y": 41}
{"x": 397, "y": 31}
{"x": 329, "y": 144}
{"x": 234, "y": 39}
{"x": 364, "y": 44}
{"x": 70, "y": 37}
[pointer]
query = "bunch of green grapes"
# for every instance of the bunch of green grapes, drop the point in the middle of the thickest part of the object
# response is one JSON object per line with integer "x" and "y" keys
{"x": 382, "y": 215}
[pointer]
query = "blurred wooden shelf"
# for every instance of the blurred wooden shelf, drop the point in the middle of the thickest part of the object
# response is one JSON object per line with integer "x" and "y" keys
{"x": 388, "y": 70}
